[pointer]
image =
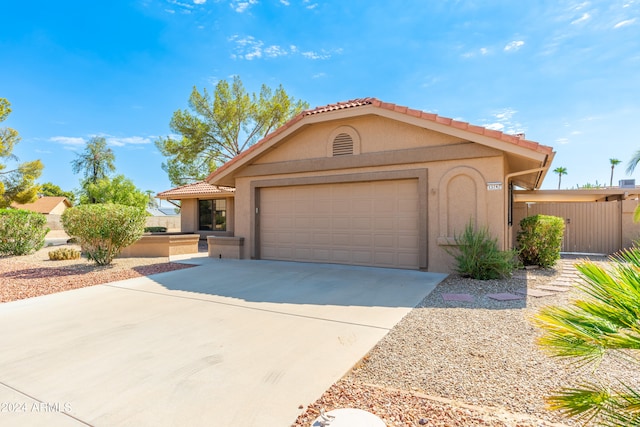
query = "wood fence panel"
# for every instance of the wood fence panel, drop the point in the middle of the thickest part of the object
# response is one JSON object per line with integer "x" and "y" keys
{"x": 590, "y": 227}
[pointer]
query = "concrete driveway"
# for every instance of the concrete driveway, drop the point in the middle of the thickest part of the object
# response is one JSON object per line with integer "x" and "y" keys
{"x": 226, "y": 343}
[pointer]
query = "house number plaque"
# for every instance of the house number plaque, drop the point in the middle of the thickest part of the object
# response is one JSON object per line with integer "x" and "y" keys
{"x": 491, "y": 186}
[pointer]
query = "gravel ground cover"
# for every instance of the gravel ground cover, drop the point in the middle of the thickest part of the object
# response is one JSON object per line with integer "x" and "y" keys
{"x": 33, "y": 275}
{"x": 457, "y": 363}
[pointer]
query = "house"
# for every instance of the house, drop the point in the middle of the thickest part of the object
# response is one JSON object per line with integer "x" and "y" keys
{"x": 51, "y": 206}
{"x": 47, "y": 205}
{"x": 365, "y": 182}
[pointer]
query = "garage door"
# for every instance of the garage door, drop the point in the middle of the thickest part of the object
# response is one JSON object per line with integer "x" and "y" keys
{"x": 364, "y": 223}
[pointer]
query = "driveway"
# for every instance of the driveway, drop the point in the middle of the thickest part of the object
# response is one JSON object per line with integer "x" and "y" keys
{"x": 226, "y": 343}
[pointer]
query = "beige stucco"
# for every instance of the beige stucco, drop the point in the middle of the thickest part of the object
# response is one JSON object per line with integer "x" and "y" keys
{"x": 162, "y": 245}
{"x": 454, "y": 185}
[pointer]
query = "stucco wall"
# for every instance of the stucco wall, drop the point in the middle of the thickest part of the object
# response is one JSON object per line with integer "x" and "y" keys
{"x": 456, "y": 189}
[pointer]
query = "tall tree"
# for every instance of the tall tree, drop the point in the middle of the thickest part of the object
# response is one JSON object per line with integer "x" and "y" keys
{"x": 560, "y": 171}
{"x": 613, "y": 162}
{"x": 96, "y": 161}
{"x": 17, "y": 184}
{"x": 221, "y": 126}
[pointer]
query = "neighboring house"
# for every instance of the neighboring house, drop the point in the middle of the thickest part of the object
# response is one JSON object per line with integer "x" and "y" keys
{"x": 52, "y": 207}
{"x": 47, "y": 205}
{"x": 365, "y": 182}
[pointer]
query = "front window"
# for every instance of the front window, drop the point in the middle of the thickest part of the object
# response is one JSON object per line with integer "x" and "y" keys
{"x": 212, "y": 215}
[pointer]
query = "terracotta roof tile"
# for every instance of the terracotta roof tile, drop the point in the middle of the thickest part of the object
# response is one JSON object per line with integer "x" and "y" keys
{"x": 195, "y": 189}
{"x": 363, "y": 102}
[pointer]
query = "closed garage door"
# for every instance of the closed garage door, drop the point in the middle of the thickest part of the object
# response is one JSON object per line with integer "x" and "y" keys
{"x": 364, "y": 223}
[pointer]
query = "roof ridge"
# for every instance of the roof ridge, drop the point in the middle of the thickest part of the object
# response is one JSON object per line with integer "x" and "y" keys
{"x": 375, "y": 102}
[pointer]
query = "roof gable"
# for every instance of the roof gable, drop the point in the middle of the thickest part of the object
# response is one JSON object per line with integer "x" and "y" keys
{"x": 43, "y": 205}
{"x": 516, "y": 144}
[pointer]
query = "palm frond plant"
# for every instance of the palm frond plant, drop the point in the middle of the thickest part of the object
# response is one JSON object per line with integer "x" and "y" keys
{"x": 604, "y": 321}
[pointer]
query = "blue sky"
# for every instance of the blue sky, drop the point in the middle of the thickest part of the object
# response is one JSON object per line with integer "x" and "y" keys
{"x": 567, "y": 73}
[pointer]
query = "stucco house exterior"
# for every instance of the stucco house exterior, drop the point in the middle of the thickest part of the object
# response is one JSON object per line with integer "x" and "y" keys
{"x": 365, "y": 182}
{"x": 47, "y": 205}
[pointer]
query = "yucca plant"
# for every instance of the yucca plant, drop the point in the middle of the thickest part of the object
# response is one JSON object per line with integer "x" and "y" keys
{"x": 604, "y": 321}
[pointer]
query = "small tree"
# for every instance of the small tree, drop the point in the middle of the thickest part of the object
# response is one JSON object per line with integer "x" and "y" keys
{"x": 21, "y": 232}
{"x": 103, "y": 230}
{"x": 119, "y": 190}
{"x": 50, "y": 189}
{"x": 17, "y": 184}
{"x": 560, "y": 171}
{"x": 613, "y": 163}
{"x": 540, "y": 240}
{"x": 606, "y": 321}
{"x": 95, "y": 163}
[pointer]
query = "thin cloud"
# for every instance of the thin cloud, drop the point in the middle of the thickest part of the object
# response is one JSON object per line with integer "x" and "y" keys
{"x": 250, "y": 48}
{"x": 513, "y": 46}
{"x": 624, "y": 23}
{"x": 242, "y": 6}
{"x": 74, "y": 142}
{"x": 130, "y": 140}
{"x": 562, "y": 141}
{"x": 199, "y": 1}
{"x": 585, "y": 17}
{"x": 309, "y": 5}
{"x": 503, "y": 120}
{"x": 69, "y": 141}
{"x": 285, "y": 2}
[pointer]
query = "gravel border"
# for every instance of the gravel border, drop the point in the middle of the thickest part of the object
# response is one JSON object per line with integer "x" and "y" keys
{"x": 453, "y": 363}
{"x": 34, "y": 275}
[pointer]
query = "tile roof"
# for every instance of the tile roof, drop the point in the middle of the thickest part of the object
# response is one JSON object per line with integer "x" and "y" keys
{"x": 43, "y": 205}
{"x": 363, "y": 102}
{"x": 195, "y": 189}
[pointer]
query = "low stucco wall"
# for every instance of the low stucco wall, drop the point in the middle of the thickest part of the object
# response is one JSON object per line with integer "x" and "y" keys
{"x": 225, "y": 247}
{"x": 162, "y": 245}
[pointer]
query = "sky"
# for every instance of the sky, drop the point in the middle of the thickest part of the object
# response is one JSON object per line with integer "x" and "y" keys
{"x": 566, "y": 73}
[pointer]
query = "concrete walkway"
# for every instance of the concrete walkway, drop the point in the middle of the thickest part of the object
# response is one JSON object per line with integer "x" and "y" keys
{"x": 227, "y": 343}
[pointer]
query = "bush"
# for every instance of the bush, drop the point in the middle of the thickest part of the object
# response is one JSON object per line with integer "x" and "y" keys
{"x": 21, "y": 232}
{"x": 103, "y": 230}
{"x": 479, "y": 256}
{"x": 155, "y": 229}
{"x": 540, "y": 240}
{"x": 64, "y": 254}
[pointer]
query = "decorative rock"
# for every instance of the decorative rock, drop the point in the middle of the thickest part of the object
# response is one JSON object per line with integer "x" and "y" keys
{"x": 348, "y": 417}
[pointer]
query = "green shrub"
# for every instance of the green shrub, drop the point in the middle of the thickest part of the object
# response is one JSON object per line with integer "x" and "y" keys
{"x": 21, "y": 232}
{"x": 155, "y": 229}
{"x": 479, "y": 256}
{"x": 540, "y": 240}
{"x": 103, "y": 230}
{"x": 64, "y": 254}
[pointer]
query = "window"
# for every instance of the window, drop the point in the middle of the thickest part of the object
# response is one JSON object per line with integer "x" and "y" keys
{"x": 212, "y": 215}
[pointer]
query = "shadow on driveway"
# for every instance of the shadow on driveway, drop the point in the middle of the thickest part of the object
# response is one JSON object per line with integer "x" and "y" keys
{"x": 299, "y": 283}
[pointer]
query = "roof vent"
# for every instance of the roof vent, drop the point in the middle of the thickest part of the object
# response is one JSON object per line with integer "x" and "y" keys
{"x": 342, "y": 145}
{"x": 627, "y": 183}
